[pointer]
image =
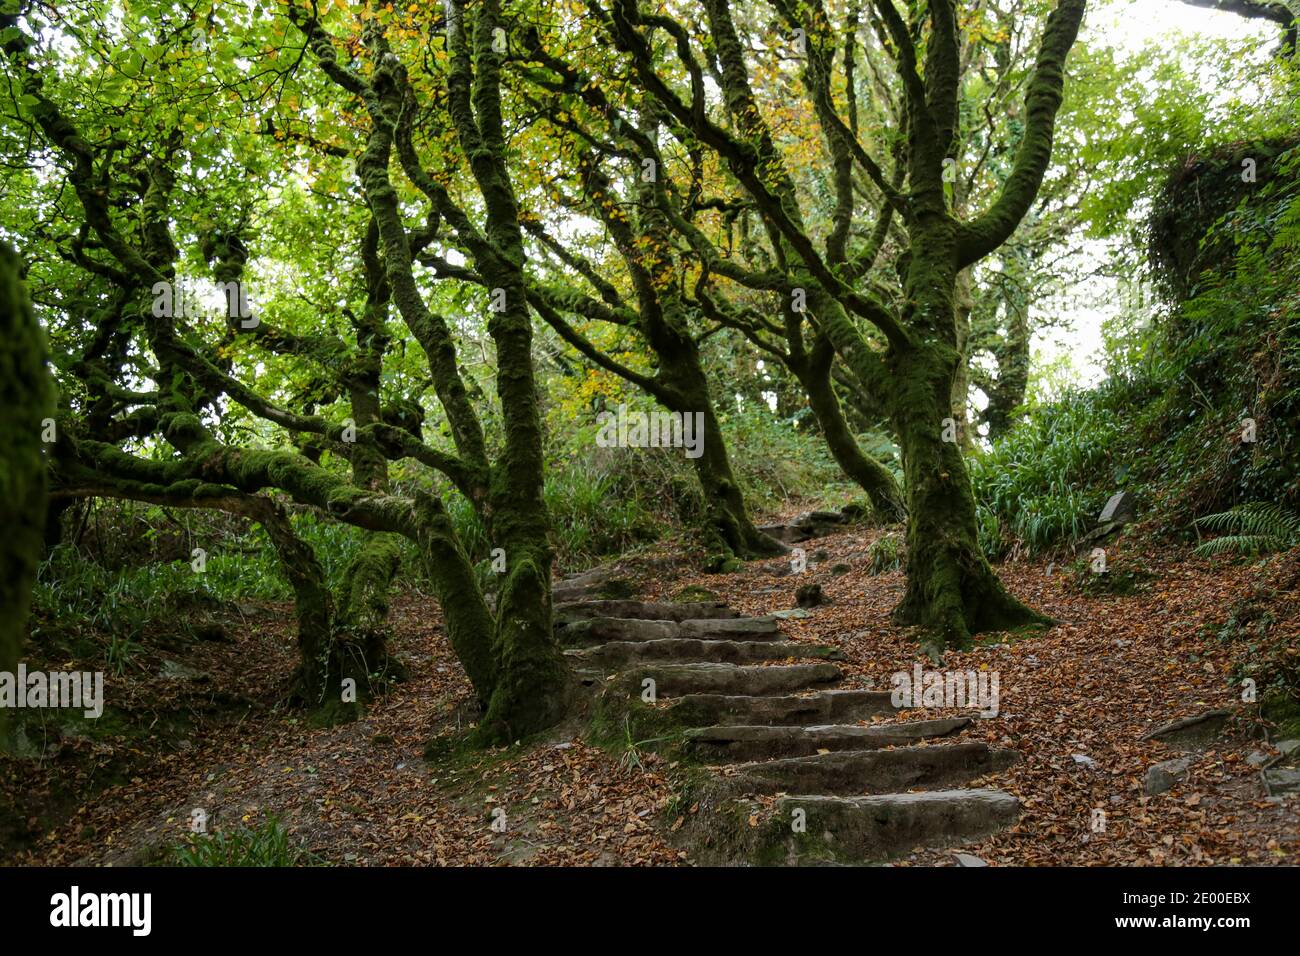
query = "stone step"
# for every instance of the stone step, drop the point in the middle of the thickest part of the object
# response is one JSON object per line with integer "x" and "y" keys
{"x": 644, "y": 611}
{"x": 602, "y": 584}
{"x": 823, "y": 707}
{"x": 570, "y": 593}
{"x": 738, "y": 743}
{"x": 602, "y": 630}
{"x": 618, "y": 653}
{"x": 875, "y": 828}
{"x": 675, "y": 680}
{"x": 856, "y": 772}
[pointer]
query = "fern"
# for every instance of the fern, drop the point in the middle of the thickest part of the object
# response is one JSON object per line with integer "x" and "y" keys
{"x": 1257, "y": 527}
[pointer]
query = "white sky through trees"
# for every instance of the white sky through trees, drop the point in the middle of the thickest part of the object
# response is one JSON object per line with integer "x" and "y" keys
{"x": 1130, "y": 26}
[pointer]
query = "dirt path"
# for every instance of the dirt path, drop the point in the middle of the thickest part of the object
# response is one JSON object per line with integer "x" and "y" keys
{"x": 1113, "y": 668}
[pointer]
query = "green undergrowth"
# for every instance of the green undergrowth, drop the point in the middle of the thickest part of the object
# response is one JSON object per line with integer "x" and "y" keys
{"x": 1199, "y": 412}
{"x": 885, "y": 554}
{"x": 623, "y": 724}
{"x": 269, "y": 845}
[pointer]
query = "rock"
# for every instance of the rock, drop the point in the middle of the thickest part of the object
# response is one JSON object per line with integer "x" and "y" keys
{"x": 965, "y": 859}
{"x": 617, "y": 654}
{"x": 1191, "y": 732}
{"x": 596, "y": 584}
{"x": 1084, "y": 760}
{"x": 734, "y": 743}
{"x": 1282, "y": 780}
{"x": 1120, "y": 509}
{"x": 857, "y": 511}
{"x": 601, "y": 630}
{"x": 1288, "y": 747}
{"x": 866, "y": 829}
{"x": 819, "y": 517}
{"x": 794, "y": 614}
{"x": 858, "y": 772}
{"x": 823, "y": 707}
{"x": 676, "y": 680}
{"x": 641, "y": 610}
{"x": 750, "y": 628}
{"x": 786, "y": 534}
{"x": 841, "y": 568}
{"x": 812, "y": 524}
{"x": 810, "y": 595}
{"x": 1162, "y": 776}
{"x": 1257, "y": 759}
{"x": 175, "y": 670}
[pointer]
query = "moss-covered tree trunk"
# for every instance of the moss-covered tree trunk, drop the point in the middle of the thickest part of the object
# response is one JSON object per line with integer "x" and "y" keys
{"x": 1010, "y": 349}
{"x": 363, "y": 599}
{"x": 687, "y": 393}
{"x": 324, "y": 661}
{"x": 951, "y": 590}
{"x": 963, "y": 305}
{"x": 531, "y": 679}
{"x": 466, "y": 618}
{"x": 531, "y": 675}
{"x": 26, "y": 399}
{"x": 871, "y": 476}
{"x": 664, "y": 320}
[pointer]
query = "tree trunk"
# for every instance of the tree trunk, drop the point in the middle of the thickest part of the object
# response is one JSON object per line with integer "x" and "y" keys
{"x": 363, "y": 602}
{"x": 729, "y": 523}
{"x": 964, "y": 304}
{"x": 1012, "y": 353}
{"x": 873, "y": 477}
{"x": 531, "y": 691}
{"x": 331, "y": 654}
{"x": 532, "y": 677}
{"x": 951, "y": 592}
{"x": 27, "y": 397}
{"x": 465, "y": 613}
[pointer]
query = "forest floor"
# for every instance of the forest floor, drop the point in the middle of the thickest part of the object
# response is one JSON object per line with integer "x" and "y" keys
{"x": 1075, "y": 701}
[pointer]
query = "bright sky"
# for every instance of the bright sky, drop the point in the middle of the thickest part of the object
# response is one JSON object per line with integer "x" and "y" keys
{"x": 1131, "y": 25}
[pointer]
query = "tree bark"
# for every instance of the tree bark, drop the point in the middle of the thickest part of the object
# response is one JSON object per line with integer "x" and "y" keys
{"x": 329, "y": 655}
{"x": 951, "y": 591}
{"x": 1011, "y": 351}
{"x": 964, "y": 304}
{"x": 26, "y": 395}
{"x": 870, "y": 475}
{"x": 686, "y": 391}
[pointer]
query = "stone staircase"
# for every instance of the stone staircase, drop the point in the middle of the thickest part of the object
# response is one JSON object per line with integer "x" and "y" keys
{"x": 789, "y": 774}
